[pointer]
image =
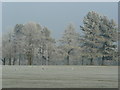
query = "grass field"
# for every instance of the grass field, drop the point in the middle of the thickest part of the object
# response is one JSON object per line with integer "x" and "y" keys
{"x": 60, "y": 77}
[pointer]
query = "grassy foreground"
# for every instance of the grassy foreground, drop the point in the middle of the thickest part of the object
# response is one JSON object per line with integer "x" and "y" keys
{"x": 59, "y": 76}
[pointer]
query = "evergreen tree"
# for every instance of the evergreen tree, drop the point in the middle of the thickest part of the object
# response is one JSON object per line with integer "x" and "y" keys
{"x": 69, "y": 42}
{"x": 109, "y": 32}
{"x": 99, "y": 36}
{"x": 91, "y": 36}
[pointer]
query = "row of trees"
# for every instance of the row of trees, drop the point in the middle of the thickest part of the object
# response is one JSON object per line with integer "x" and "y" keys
{"x": 32, "y": 44}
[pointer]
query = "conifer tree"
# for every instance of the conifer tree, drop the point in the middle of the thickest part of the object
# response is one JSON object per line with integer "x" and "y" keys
{"x": 100, "y": 35}
{"x": 69, "y": 41}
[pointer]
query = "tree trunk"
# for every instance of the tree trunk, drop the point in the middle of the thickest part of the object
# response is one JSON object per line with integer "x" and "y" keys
{"x": 68, "y": 60}
{"x": 45, "y": 60}
{"x": 30, "y": 61}
{"x": 14, "y": 61}
{"x": 102, "y": 60}
{"x": 68, "y": 57}
{"x": 91, "y": 61}
{"x": 82, "y": 61}
{"x": 48, "y": 60}
{"x": 19, "y": 59}
{"x": 9, "y": 61}
{"x": 3, "y": 61}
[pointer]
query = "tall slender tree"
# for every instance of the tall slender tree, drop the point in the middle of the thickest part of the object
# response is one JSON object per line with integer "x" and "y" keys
{"x": 109, "y": 32}
{"x": 91, "y": 35}
{"x": 18, "y": 42}
{"x": 69, "y": 41}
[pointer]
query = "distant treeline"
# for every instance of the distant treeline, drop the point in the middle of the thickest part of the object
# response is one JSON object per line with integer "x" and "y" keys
{"x": 32, "y": 44}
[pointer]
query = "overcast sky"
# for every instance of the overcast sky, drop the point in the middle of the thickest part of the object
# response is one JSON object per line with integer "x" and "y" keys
{"x": 54, "y": 15}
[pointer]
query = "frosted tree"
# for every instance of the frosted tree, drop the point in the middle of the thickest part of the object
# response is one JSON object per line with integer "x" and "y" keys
{"x": 4, "y": 51}
{"x": 118, "y": 43}
{"x": 69, "y": 42}
{"x": 1, "y": 50}
{"x": 31, "y": 34}
{"x": 7, "y": 49}
{"x": 37, "y": 43}
{"x": 46, "y": 48}
{"x": 109, "y": 32}
{"x": 99, "y": 34}
{"x": 91, "y": 36}
{"x": 18, "y": 42}
{"x": 50, "y": 46}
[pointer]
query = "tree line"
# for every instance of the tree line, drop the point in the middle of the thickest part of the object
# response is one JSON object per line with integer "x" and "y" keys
{"x": 32, "y": 44}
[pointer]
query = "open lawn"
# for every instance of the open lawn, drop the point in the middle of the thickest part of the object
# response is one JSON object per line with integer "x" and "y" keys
{"x": 59, "y": 76}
